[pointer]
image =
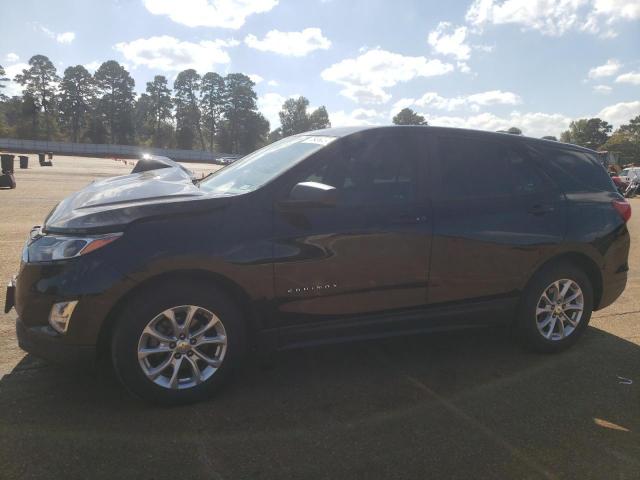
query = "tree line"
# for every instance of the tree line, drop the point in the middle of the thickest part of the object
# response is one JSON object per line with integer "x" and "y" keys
{"x": 206, "y": 112}
{"x": 593, "y": 133}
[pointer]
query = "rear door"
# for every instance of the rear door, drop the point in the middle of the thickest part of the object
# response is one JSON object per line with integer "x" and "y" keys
{"x": 495, "y": 214}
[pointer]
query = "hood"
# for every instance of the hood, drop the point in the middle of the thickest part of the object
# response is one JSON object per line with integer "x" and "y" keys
{"x": 109, "y": 205}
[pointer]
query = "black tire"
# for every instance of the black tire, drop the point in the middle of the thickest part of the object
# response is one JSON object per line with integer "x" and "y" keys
{"x": 149, "y": 303}
{"x": 526, "y": 325}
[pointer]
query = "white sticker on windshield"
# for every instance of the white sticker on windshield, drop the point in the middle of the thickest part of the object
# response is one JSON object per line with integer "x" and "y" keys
{"x": 319, "y": 140}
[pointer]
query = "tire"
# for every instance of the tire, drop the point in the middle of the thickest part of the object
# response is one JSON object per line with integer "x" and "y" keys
{"x": 146, "y": 319}
{"x": 532, "y": 328}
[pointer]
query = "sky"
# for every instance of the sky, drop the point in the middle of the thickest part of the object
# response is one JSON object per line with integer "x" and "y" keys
{"x": 484, "y": 64}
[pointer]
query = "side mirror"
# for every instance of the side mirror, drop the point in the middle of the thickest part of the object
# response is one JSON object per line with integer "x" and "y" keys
{"x": 312, "y": 194}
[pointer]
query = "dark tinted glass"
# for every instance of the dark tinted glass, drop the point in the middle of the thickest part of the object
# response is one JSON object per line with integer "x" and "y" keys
{"x": 370, "y": 172}
{"x": 575, "y": 171}
{"x": 527, "y": 177}
{"x": 473, "y": 168}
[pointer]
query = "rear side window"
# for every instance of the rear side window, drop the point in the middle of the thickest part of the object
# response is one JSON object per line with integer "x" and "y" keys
{"x": 576, "y": 171}
{"x": 527, "y": 177}
{"x": 472, "y": 168}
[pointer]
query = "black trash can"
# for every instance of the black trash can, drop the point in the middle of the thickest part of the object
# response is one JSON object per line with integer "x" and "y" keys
{"x": 24, "y": 161}
{"x": 7, "y": 162}
{"x": 7, "y": 180}
{"x": 41, "y": 159}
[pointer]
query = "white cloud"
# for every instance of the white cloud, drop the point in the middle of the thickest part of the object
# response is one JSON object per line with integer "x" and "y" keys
{"x": 494, "y": 97}
{"x": 608, "y": 69}
{"x": 66, "y": 37}
{"x": 474, "y": 101}
{"x": 209, "y": 13}
{"x": 631, "y": 77}
{"x": 255, "y": 78}
{"x": 13, "y": 88}
{"x": 357, "y": 117}
{"x": 484, "y": 48}
{"x": 604, "y": 89}
{"x": 294, "y": 44}
{"x": 463, "y": 67}
{"x": 554, "y": 17}
{"x": 366, "y": 77}
{"x": 627, "y": 9}
{"x": 607, "y": 12}
{"x": 169, "y": 53}
{"x": 535, "y": 124}
{"x": 273, "y": 83}
{"x": 12, "y": 57}
{"x": 92, "y": 66}
{"x": 548, "y": 16}
{"x": 620, "y": 113}
{"x": 449, "y": 41}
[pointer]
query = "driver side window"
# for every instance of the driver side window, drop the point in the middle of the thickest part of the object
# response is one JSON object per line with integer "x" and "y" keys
{"x": 382, "y": 171}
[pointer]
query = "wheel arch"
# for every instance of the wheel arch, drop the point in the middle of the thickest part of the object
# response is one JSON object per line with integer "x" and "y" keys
{"x": 582, "y": 261}
{"x": 226, "y": 285}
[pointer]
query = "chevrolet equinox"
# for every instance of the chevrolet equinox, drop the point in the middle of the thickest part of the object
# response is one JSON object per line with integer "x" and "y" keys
{"x": 337, "y": 234}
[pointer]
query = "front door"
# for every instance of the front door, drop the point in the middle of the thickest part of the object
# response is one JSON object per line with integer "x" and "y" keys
{"x": 369, "y": 253}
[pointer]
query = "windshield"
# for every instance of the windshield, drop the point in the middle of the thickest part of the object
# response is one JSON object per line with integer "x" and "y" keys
{"x": 261, "y": 166}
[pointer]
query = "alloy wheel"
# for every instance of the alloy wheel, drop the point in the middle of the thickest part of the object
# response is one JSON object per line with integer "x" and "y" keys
{"x": 182, "y": 347}
{"x": 559, "y": 309}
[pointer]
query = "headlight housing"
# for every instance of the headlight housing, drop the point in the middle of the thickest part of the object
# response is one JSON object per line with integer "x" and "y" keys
{"x": 48, "y": 248}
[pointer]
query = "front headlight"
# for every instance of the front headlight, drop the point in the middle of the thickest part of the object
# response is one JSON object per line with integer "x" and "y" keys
{"x": 47, "y": 248}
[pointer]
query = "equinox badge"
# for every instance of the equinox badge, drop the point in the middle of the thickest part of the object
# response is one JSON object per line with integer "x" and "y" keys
{"x": 312, "y": 288}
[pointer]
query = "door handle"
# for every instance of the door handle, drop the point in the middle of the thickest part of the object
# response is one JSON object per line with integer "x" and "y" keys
{"x": 540, "y": 209}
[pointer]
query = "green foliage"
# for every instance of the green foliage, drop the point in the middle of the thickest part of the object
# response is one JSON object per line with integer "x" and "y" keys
{"x": 514, "y": 131}
{"x": 625, "y": 142}
{"x": 76, "y": 98}
{"x": 39, "y": 84}
{"x": 243, "y": 126}
{"x": 294, "y": 118}
{"x": 115, "y": 106}
{"x": 187, "y": 92}
{"x": 3, "y": 80}
{"x": 406, "y": 116}
{"x": 212, "y": 106}
{"x": 319, "y": 119}
{"x": 153, "y": 114}
{"x": 590, "y": 133}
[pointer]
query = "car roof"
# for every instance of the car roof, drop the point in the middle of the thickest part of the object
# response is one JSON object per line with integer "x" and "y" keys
{"x": 347, "y": 131}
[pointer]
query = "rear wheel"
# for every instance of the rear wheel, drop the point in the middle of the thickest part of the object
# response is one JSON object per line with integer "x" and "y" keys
{"x": 176, "y": 345}
{"x": 556, "y": 308}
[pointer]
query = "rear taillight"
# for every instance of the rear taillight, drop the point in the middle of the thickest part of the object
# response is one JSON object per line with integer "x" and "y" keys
{"x": 623, "y": 208}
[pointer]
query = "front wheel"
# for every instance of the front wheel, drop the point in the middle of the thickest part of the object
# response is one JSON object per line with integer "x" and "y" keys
{"x": 175, "y": 345}
{"x": 555, "y": 309}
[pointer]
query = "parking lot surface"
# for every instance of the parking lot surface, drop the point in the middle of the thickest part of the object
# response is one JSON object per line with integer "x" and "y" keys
{"x": 458, "y": 405}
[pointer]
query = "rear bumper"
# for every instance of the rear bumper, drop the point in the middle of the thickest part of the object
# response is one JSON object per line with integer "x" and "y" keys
{"x": 44, "y": 342}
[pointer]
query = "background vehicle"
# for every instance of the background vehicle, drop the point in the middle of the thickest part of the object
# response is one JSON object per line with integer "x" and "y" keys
{"x": 621, "y": 185}
{"x": 321, "y": 237}
{"x": 629, "y": 174}
{"x": 632, "y": 187}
